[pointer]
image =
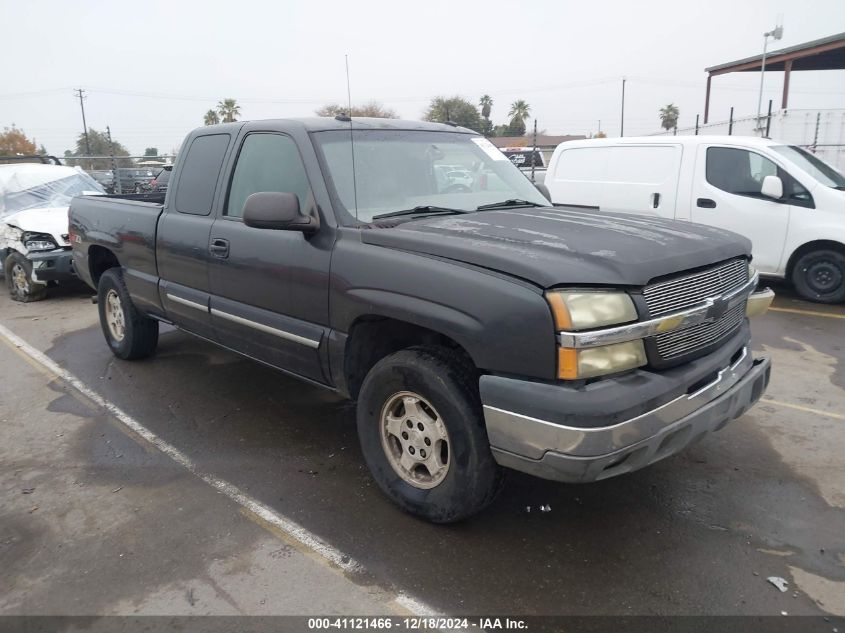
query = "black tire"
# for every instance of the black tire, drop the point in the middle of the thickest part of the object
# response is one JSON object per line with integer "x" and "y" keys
{"x": 140, "y": 333}
{"x": 820, "y": 276}
{"x": 449, "y": 383}
{"x": 18, "y": 271}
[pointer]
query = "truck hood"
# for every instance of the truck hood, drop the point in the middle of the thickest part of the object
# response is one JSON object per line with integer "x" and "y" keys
{"x": 52, "y": 220}
{"x": 562, "y": 245}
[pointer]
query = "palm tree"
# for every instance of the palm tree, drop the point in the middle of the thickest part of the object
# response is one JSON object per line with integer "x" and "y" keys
{"x": 518, "y": 113}
{"x": 669, "y": 117}
{"x": 228, "y": 109}
{"x": 486, "y": 103}
{"x": 211, "y": 118}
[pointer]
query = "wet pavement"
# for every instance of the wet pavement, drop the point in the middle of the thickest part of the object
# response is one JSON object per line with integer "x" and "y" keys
{"x": 698, "y": 533}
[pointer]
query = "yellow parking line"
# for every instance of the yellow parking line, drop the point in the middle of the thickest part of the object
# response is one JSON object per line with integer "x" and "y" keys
{"x": 808, "y": 312}
{"x": 798, "y": 407}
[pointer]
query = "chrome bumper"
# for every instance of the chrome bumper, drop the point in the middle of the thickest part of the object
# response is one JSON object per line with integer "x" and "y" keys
{"x": 759, "y": 302}
{"x": 565, "y": 453}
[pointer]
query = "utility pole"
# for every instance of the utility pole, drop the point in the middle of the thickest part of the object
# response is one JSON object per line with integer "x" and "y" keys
{"x": 622, "y": 123}
{"x": 776, "y": 33}
{"x": 534, "y": 151}
{"x": 80, "y": 93}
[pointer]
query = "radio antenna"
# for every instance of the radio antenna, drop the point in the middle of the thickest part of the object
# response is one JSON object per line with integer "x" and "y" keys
{"x": 348, "y": 89}
{"x": 351, "y": 137}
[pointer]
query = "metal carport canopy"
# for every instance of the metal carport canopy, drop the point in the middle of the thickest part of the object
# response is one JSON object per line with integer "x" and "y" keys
{"x": 827, "y": 53}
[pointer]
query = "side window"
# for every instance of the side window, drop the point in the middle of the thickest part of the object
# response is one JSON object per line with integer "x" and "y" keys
{"x": 268, "y": 162}
{"x": 741, "y": 172}
{"x": 199, "y": 173}
{"x": 738, "y": 171}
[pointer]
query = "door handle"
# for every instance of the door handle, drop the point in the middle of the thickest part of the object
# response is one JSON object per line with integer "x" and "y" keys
{"x": 219, "y": 247}
{"x": 705, "y": 203}
{"x": 655, "y": 200}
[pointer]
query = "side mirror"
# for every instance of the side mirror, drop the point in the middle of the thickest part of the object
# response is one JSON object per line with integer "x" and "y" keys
{"x": 544, "y": 190}
{"x": 772, "y": 187}
{"x": 278, "y": 211}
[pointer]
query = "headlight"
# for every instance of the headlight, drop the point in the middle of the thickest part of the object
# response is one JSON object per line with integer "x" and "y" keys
{"x": 597, "y": 361}
{"x": 39, "y": 242}
{"x": 575, "y": 310}
{"x": 584, "y": 310}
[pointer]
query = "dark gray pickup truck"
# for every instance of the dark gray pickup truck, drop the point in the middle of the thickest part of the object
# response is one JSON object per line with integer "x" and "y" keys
{"x": 476, "y": 326}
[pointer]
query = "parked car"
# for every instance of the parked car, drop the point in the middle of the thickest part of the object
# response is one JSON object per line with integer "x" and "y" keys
{"x": 787, "y": 201}
{"x": 34, "y": 242}
{"x": 159, "y": 183}
{"x": 530, "y": 161}
{"x": 105, "y": 177}
{"x": 476, "y": 329}
{"x": 134, "y": 180}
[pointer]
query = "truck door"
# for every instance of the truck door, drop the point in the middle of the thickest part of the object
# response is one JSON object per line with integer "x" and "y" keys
{"x": 726, "y": 194}
{"x": 269, "y": 288}
{"x": 182, "y": 242}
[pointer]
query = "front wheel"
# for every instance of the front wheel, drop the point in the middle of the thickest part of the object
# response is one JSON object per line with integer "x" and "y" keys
{"x": 820, "y": 276}
{"x": 129, "y": 333}
{"x": 423, "y": 436}
{"x": 18, "y": 270}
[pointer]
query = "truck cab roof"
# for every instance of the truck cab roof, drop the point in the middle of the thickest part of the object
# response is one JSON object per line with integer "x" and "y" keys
{"x": 323, "y": 124}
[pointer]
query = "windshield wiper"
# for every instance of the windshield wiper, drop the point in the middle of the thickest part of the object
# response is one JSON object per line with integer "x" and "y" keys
{"x": 513, "y": 202}
{"x": 425, "y": 209}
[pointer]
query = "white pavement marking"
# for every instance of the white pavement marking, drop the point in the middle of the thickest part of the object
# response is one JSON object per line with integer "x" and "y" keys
{"x": 293, "y": 529}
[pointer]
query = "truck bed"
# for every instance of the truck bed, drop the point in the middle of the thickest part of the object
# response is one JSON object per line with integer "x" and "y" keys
{"x": 125, "y": 225}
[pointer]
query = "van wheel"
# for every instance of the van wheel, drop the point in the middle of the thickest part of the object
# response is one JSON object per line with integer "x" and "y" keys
{"x": 423, "y": 436}
{"x": 129, "y": 333}
{"x": 18, "y": 270}
{"x": 820, "y": 276}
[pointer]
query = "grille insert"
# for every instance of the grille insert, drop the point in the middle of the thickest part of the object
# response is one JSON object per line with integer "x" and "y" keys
{"x": 685, "y": 292}
{"x": 680, "y": 342}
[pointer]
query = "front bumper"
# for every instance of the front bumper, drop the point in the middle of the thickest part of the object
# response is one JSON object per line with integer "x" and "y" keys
{"x": 573, "y": 453}
{"x": 52, "y": 265}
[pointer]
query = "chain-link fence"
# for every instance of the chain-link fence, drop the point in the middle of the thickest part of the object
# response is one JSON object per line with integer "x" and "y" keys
{"x": 122, "y": 174}
{"x": 820, "y": 131}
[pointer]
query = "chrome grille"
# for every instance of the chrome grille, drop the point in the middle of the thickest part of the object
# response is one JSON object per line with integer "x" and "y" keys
{"x": 687, "y": 291}
{"x": 684, "y": 292}
{"x": 680, "y": 342}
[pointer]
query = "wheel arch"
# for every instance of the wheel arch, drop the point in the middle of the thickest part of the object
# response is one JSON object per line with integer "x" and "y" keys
{"x": 809, "y": 247}
{"x": 100, "y": 259}
{"x": 373, "y": 337}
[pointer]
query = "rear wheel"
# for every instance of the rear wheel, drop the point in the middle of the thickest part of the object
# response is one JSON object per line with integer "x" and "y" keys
{"x": 129, "y": 333}
{"x": 18, "y": 270}
{"x": 820, "y": 276}
{"x": 423, "y": 436}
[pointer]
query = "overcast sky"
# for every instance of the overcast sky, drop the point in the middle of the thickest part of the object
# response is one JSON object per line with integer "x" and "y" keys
{"x": 152, "y": 68}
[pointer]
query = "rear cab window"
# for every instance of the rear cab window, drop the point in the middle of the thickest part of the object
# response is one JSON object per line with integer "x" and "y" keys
{"x": 199, "y": 174}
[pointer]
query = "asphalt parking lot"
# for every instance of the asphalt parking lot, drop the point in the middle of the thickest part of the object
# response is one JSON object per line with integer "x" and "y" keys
{"x": 94, "y": 518}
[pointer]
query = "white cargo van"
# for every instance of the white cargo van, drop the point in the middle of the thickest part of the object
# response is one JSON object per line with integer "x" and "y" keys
{"x": 788, "y": 202}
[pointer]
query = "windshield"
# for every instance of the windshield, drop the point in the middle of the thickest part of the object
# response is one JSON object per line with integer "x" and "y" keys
{"x": 813, "y": 165}
{"x": 399, "y": 169}
{"x": 53, "y": 193}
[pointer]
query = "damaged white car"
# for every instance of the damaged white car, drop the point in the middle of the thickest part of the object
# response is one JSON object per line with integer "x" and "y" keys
{"x": 35, "y": 249}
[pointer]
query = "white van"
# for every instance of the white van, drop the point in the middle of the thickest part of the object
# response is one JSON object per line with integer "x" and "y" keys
{"x": 788, "y": 202}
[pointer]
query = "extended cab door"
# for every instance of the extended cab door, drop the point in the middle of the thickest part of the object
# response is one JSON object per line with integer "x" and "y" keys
{"x": 269, "y": 288}
{"x": 726, "y": 194}
{"x": 182, "y": 242}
